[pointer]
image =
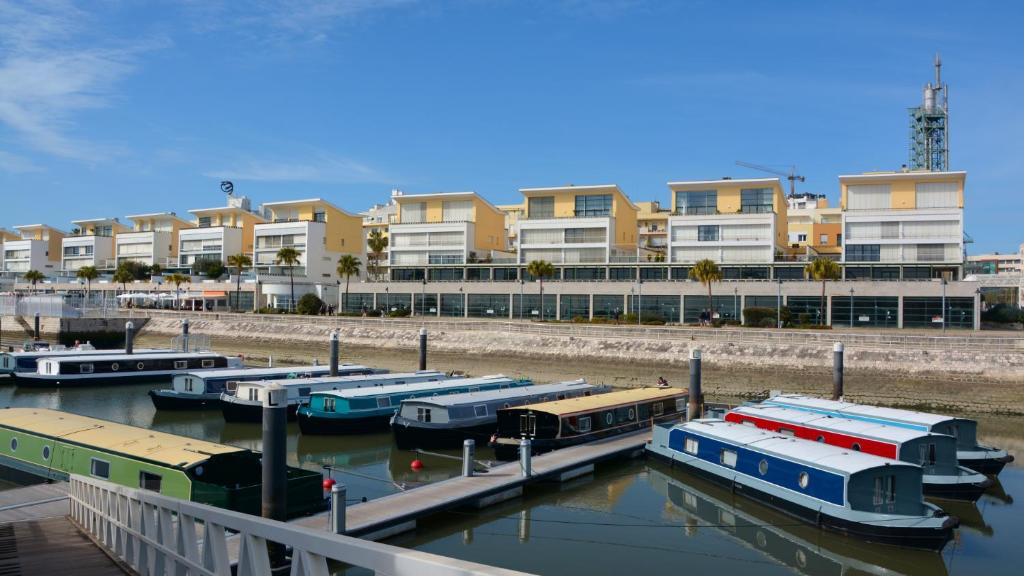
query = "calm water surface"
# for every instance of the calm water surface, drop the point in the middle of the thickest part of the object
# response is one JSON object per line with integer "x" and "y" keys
{"x": 629, "y": 517}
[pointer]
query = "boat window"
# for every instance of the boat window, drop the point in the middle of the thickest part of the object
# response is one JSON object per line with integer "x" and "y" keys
{"x": 148, "y": 481}
{"x": 399, "y": 381}
{"x": 560, "y": 396}
{"x": 856, "y": 447}
{"x": 14, "y": 444}
{"x": 188, "y": 384}
{"x": 208, "y": 363}
{"x": 140, "y": 365}
{"x": 99, "y": 468}
{"x": 528, "y": 424}
{"x": 821, "y": 439}
{"x": 927, "y": 454}
{"x": 786, "y": 432}
{"x": 232, "y": 385}
{"x": 658, "y": 408}
{"x": 384, "y": 402}
{"x": 680, "y": 404}
{"x": 762, "y": 467}
{"x": 727, "y": 458}
{"x": 423, "y": 414}
{"x": 749, "y": 423}
{"x": 115, "y": 367}
{"x": 180, "y": 364}
{"x": 46, "y": 452}
{"x": 480, "y": 410}
{"x": 885, "y": 490}
{"x": 85, "y": 368}
{"x": 803, "y": 479}
{"x": 609, "y": 418}
{"x": 474, "y": 389}
{"x": 304, "y": 391}
{"x": 691, "y": 446}
{"x": 507, "y": 405}
{"x": 584, "y": 424}
{"x": 632, "y": 413}
{"x": 254, "y": 395}
{"x": 586, "y": 393}
{"x": 330, "y": 404}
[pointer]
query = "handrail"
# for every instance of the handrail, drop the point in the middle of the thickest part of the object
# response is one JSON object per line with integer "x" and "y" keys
{"x": 157, "y": 534}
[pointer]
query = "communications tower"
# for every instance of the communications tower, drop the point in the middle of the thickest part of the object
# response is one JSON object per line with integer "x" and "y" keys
{"x": 929, "y": 126}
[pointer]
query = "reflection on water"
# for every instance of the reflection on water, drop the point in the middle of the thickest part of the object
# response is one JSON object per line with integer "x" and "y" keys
{"x": 635, "y": 517}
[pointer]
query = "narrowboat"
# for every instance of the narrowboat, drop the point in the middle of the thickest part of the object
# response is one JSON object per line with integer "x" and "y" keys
{"x": 561, "y": 423}
{"x": 355, "y": 411}
{"x": 446, "y": 421}
{"x": 122, "y": 368}
{"x": 852, "y": 493}
{"x": 16, "y": 363}
{"x": 52, "y": 444}
{"x": 202, "y": 389}
{"x": 245, "y": 403}
{"x": 934, "y": 453}
{"x": 969, "y": 452}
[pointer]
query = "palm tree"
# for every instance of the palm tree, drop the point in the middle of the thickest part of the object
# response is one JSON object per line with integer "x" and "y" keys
{"x": 123, "y": 276}
{"x": 348, "y": 265}
{"x": 177, "y": 280}
{"x": 823, "y": 269}
{"x": 289, "y": 257}
{"x": 706, "y": 271}
{"x": 377, "y": 242}
{"x": 34, "y": 276}
{"x": 88, "y": 273}
{"x": 540, "y": 269}
{"x": 238, "y": 262}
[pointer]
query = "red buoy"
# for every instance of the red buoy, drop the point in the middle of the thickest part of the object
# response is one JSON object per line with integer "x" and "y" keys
{"x": 416, "y": 464}
{"x": 329, "y": 483}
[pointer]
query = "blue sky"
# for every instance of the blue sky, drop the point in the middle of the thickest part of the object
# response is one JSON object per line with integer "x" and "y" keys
{"x": 115, "y": 107}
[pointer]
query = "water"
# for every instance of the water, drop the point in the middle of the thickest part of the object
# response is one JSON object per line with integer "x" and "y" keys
{"x": 629, "y": 517}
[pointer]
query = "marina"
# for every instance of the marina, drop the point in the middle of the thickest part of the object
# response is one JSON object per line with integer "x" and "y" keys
{"x": 71, "y": 371}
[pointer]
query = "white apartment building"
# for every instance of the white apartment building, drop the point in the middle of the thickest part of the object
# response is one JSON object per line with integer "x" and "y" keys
{"x": 320, "y": 231}
{"x": 219, "y": 233}
{"x": 728, "y": 221}
{"x": 905, "y": 218}
{"x": 37, "y": 249}
{"x": 153, "y": 240}
{"x": 91, "y": 244}
{"x": 577, "y": 225}
{"x": 444, "y": 228}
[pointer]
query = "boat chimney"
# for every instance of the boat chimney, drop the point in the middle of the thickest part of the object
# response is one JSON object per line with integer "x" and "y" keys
{"x": 129, "y": 337}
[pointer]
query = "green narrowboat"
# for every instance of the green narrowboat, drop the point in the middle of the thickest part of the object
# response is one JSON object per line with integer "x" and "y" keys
{"x": 53, "y": 444}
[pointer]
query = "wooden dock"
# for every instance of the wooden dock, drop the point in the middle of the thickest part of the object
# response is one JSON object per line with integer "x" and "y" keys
{"x": 34, "y": 502}
{"x": 396, "y": 513}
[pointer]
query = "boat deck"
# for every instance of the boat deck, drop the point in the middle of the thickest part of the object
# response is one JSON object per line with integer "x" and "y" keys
{"x": 52, "y": 546}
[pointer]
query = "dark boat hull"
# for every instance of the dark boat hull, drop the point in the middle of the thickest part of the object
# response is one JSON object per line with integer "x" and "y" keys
{"x": 338, "y": 426}
{"x": 926, "y": 538}
{"x": 990, "y": 466}
{"x": 509, "y": 452}
{"x": 412, "y": 437}
{"x": 963, "y": 491}
{"x": 168, "y": 400}
{"x": 252, "y": 413}
{"x": 31, "y": 381}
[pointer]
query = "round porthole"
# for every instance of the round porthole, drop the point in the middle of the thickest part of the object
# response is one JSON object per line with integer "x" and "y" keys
{"x": 856, "y": 447}
{"x": 140, "y": 365}
{"x": 46, "y": 452}
{"x": 762, "y": 540}
{"x": 115, "y": 367}
{"x": 821, "y": 439}
{"x": 801, "y": 558}
{"x": 804, "y": 479}
{"x": 14, "y": 444}
{"x": 632, "y": 413}
{"x": 506, "y": 404}
{"x": 609, "y": 418}
{"x": 199, "y": 470}
{"x": 762, "y": 467}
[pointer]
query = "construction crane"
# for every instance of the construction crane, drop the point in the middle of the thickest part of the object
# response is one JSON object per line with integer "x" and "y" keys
{"x": 792, "y": 176}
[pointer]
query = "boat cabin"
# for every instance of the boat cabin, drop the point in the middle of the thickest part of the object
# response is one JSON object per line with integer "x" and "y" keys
{"x": 119, "y": 364}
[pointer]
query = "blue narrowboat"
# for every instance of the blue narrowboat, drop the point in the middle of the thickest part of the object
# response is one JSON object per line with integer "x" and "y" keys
{"x": 361, "y": 410}
{"x": 969, "y": 452}
{"x": 852, "y": 493}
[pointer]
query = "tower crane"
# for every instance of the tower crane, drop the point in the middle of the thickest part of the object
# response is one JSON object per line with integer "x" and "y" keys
{"x": 792, "y": 176}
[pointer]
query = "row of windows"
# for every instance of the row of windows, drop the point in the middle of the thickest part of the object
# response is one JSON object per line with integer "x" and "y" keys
{"x": 101, "y": 468}
{"x": 662, "y": 273}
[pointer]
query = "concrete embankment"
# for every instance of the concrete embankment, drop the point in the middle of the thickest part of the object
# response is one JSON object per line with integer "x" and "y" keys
{"x": 966, "y": 372}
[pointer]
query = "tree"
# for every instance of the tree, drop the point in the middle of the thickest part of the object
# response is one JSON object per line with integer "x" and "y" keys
{"x": 310, "y": 305}
{"x": 177, "y": 280}
{"x": 289, "y": 257}
{"x": 155, "y": 270}
{"x": 88, "y": 273}
{"x": 348, "y": 265}
{"x": 706, "y": 272}
{"x": 212, "y": 269}
{"x": 377, "y": 242}
{"x": 34, "y": 276}
{"x": 823, "y": 270}
{"x": 137, "y": 270}
{"x": 540, "y": 269}
{"x": 123, "y": 276}
{"x": 238, "y": 262}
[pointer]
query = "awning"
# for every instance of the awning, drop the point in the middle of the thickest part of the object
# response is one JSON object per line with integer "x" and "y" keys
{"x": 214, "y": 294}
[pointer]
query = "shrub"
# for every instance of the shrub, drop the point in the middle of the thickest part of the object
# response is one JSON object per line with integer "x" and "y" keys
{"x": 399, "y": 313}
{"x": 309, "y": 305}
{"x": 579, "y": 319}
{"x": 758, "y": 317}
{"x": 212, "y": 269}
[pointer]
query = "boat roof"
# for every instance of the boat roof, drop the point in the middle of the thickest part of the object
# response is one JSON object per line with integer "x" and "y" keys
{"x": 834, "y": 423}
{"x": 150, "y": 356}
{"x": 277, "y": 370}
{"x": 852, "y": 410}
{"x": 497, "y": 395}
{"x": 816, "y": 453}
{"x": 588, "y": 403}
{"x": 414, "y": 387}
{"x": 66, "y": 353}
{"x": 161, "y": 447}
{"x": 284, "y": 383}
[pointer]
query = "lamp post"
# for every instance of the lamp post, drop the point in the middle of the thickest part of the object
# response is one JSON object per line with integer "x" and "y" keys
{"x": 851, "y": 307}
{"x": 736, "y": 303}
{"x": 639, "y": 299}
{"x": 522, "y": 285}
{"x": 387, "y": 300}
{"x": 943, "y": 305}
{"x": 778, "y": 306}
{"x": 423, "y": 298}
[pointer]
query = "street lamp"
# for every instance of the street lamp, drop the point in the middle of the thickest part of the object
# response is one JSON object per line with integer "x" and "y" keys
{"x": 522, "y": 284}
{"x": 943, "y": 305}
{"x": 639, "y": 298}
{"x": 387, "y": 300}
{"x": 851, "y": 307}
{"x": 423, "y": 298}
{"x": 735, "y": 303}
{"x": 778, "y": 306}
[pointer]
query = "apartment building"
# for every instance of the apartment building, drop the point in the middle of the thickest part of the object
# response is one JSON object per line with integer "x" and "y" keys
{"x": 512, "y": 212}
{"x": 91, "y": 243}
{"x": 728, "y": 221}
{"x": 5, "y": 235}
{"x": 153, "y": 239}
{"x": 218, "y": 233}
{"x": 652, "y": 225}
{"x": 37, "y": 247}
{"x": 577, "y": 225}
{"x": 996, "y": 263}
{"x": 447, "y": 228}
{"x": 905, "y": 224}
{"x": 320, "y": 231}
{"x": 378, "y": 218}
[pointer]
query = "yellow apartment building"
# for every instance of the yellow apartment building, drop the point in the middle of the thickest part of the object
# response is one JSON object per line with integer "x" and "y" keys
{"x": 445, "y": 228}
{"x": 37, "y": 247}
{"x": 320, "y": 231}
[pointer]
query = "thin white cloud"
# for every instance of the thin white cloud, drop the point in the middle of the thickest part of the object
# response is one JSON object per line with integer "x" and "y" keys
{"x": 16, "y": 164}
{"x": 323, "y": 168}
{"x": 47, "y": 76}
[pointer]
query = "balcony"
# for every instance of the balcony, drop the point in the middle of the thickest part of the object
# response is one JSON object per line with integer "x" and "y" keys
{"x": 468, "y": 220}
{"x": 577, "y": 215}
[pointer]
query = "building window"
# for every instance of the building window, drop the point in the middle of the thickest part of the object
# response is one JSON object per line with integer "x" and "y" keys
{"x": 541, "y": 207}
{"x": 149, "y": 481}
{"x": 593, "y": 205}
{"x": 801, "y": 237}
{"x": 584, "y": 235}
{"x": 697, "y": 202}
{"x": 707, "y": 233}
{"x": 931, "y": 252}
{"x": 863, "y": 253}
{"x": 890, "y": 230}
{"x": 99, "y": 468}
{"x": 756, "y": 200}
{"x": 823, "y": 239}
{"x": 319, "y": 216}
{"x": 205, "y": 221}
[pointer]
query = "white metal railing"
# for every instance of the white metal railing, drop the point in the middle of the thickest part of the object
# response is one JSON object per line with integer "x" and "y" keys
{"x": 156, "y": 534}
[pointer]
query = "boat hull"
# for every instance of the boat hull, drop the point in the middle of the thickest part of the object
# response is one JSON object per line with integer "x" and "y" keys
{"x": 991, "y": 465}
{"x": 251, "y": 413}
{"x": 171, "y": 400}
{"x": 336, "y": 426}
{"x": 508, "y": 451}
{"x": 412, "y": 437}
{"x": 969, "y": 491}
{"x": 36, "y": 381}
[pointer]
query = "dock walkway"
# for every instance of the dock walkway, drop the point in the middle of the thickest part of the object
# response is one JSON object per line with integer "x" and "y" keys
{"x": 34, "y": 502}
{"x": 396, "y": 513}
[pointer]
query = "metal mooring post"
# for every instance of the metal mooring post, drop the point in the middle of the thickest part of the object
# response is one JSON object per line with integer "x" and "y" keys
{"x": 694, "y": 403}
{"x": 334, "y": 352}
{"x": 468, "y": 456}
{"x": 338, "y": 494}
{"x": 129, "y": 337}
{"x": 423, "y": 348}
{"x": 837, "y": 370}
{"x": 274, "y": 503}
{"x": 184, "y": 335}
{"x": 525, "y": 457}
{"x": 36, "y": 330}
